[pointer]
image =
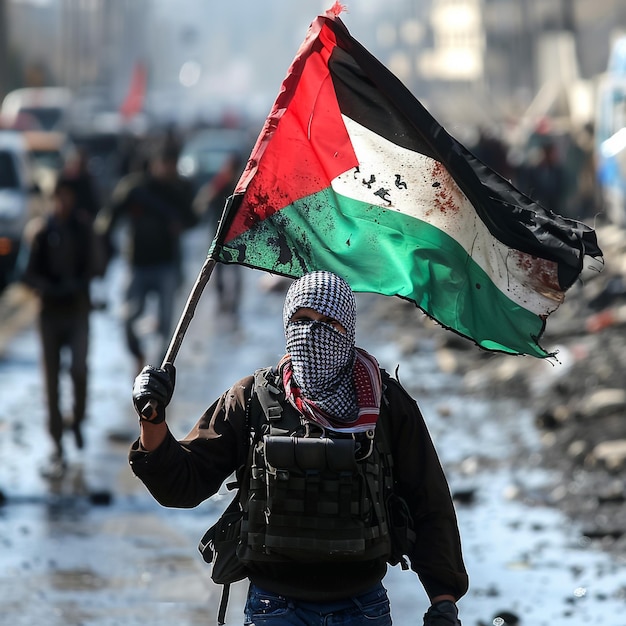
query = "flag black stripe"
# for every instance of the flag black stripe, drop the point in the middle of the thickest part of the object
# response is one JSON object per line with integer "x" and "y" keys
{"x": 371, "y": 95}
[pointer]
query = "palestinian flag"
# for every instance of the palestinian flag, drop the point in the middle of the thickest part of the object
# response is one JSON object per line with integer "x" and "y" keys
{"x": 351, "y": 174}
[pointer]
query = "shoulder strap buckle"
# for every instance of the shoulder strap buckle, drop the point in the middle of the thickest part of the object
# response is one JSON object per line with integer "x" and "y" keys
{"x": 274, "y": 412}
{"x": 267, "y": 393}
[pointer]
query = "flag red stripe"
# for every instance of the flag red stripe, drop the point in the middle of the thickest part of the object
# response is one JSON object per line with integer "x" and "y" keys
{"x": 304, "y": 144}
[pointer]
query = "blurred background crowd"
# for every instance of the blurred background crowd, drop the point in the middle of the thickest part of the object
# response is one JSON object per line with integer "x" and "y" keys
{"x": 537, "y": 89}
{"x": 142, "y": 113}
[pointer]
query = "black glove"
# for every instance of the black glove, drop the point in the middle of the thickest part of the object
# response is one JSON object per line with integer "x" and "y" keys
{"x": 153, "y": 391}
{"x": 443, "y": 613}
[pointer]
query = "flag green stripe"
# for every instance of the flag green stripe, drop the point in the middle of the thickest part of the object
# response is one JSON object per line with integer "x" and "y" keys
{"x": 387, "y": 252}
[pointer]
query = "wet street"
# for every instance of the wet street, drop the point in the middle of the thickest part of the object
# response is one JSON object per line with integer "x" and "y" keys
{"x": 94, "y": 549}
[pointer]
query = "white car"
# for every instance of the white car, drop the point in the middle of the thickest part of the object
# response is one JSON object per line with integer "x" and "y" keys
{"x": 19, "y": 200}
{"x": 36, "y": 108}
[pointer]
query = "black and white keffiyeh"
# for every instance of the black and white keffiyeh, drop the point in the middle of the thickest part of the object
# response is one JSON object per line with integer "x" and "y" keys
{"x": 322, "y": 357}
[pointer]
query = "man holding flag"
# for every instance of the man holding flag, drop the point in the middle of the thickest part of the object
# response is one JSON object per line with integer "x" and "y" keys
{"x": 353, "y": 186}
{"x": 316, "y": 542}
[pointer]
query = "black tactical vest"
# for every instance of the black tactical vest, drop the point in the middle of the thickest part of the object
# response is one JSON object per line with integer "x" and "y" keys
{"x": 308, "y": 494}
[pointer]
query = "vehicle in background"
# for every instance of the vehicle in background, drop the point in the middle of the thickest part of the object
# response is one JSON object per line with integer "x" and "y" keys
{"x": 20, "y": 200}
{"x": 206, "y": 151}
{"x": 610, "y": 135}
{"x": 36, "y": 108}
{"x": 48, "y": 151}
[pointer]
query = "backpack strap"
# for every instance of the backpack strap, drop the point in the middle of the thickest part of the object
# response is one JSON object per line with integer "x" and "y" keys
{"x": 280, "y": 418}
{"x": 221, "y": 611}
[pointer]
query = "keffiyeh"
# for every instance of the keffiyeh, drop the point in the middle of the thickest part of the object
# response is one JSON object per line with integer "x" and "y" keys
{"x": 368, "y": 385}
{"x": 322, "y": 366}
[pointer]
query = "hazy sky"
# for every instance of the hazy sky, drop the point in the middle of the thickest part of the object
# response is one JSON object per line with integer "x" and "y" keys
{"x": 238, "y": 51}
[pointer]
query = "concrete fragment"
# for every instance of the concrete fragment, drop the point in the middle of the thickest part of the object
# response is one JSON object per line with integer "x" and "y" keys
{"x": 602, "y": 402}
{"x": 610, "y": 455}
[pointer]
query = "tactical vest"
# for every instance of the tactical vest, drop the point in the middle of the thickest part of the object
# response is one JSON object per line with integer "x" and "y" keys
{"x": 308, "y": 494}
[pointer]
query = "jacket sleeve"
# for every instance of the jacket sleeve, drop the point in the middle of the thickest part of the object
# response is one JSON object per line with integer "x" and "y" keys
{"x": 420, "y": 480}
{"x": 184, "y": 473}
{"x": 117, "y": 207}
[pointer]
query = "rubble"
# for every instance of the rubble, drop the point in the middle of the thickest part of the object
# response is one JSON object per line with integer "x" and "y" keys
{"x": 578, "y": 398}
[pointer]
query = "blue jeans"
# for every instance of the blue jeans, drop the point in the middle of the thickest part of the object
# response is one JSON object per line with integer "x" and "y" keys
{"x": 161, "y": 280}
{"x": 264, "y": 608}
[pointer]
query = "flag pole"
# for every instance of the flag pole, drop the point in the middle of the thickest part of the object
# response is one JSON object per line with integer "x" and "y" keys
{"x": 149, "y": 410}
{"x": 201, "y": 281}
{"x": 189, "y": 310}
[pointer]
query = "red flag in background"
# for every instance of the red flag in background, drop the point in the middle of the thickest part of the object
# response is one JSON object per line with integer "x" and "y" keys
{"x": 134, "y": 101}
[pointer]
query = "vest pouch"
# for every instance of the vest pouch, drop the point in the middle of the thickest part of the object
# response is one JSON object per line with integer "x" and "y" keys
{"x": 341, "y": 455}
{"x": 219, "y": 545}
{"x": 304, "y": 453}
{"x": 280, "y": 452}
{"x": 310, "y": 453}
{"x": 311, "y": 504}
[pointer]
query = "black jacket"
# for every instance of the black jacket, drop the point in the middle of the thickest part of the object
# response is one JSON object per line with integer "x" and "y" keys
{"x": 60, "y": 264}
{"x": 183, "y": 474}
{"x": 156, "y": 211}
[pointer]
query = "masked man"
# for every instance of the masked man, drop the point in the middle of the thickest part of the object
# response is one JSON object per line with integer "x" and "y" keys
{"x": 338, "y": 475}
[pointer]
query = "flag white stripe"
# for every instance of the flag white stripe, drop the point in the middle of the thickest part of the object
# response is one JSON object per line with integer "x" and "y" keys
{"x": 420, "y": 187}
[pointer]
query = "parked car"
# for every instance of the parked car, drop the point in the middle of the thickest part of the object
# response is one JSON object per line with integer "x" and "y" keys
{"x": 20, "y": 200}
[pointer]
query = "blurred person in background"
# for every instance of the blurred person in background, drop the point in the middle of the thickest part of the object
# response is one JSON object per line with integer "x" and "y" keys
{"x": 545, "y": 177}
{"x": 541, "y": 172}
{"x": 76, "y": 169}
{"x": 493, "y": 151}
{"x": 209, "y": 203}
{"x": 156, "y": 206}
{"x": 580, "y": 165}
{"x": 59, "y": 270}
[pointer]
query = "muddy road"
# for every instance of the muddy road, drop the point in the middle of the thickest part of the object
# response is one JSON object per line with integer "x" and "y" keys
{"x": 93, "y": 548}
